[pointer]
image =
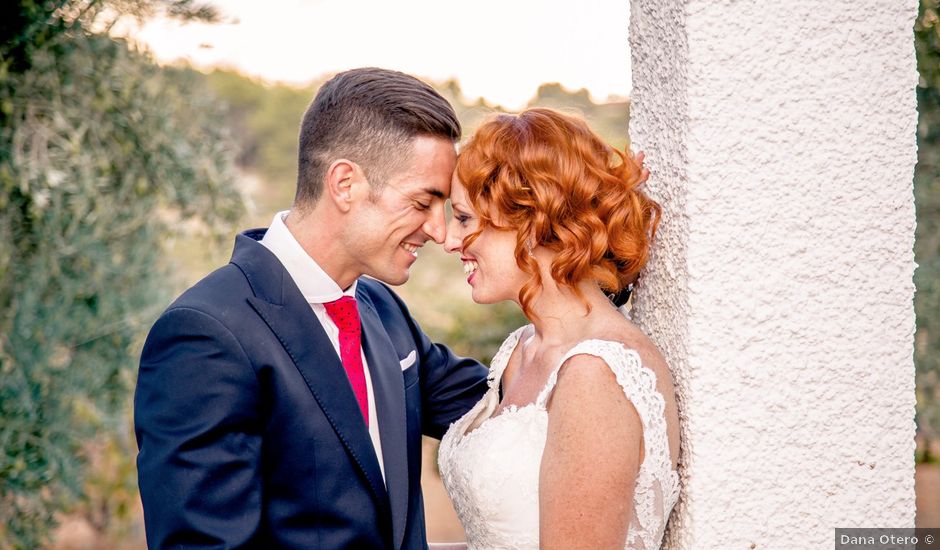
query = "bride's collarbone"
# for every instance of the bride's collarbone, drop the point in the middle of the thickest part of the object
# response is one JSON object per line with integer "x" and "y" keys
{"x": 524, "y": 378}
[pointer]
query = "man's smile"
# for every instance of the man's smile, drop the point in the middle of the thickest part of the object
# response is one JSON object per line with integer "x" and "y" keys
{"x": 412, "y": 248}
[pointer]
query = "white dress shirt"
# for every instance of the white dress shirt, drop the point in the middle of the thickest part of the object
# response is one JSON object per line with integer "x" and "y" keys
{"x": 318, "y": 288}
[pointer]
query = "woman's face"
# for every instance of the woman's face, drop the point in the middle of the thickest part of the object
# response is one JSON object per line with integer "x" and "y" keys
{"x": 489, "y": 262}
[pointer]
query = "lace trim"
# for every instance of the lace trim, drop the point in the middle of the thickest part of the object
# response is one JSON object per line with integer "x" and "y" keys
{"x": 501, "y": 359}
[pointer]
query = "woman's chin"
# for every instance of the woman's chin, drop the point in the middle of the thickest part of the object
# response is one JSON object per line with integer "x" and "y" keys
{"x": 481, "y": 298}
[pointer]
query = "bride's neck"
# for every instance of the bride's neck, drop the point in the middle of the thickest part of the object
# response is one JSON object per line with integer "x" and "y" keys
{"x": 560, "y": 316}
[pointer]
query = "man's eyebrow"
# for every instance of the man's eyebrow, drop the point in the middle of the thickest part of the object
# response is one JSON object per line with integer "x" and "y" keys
{"x": 434, "y": 192}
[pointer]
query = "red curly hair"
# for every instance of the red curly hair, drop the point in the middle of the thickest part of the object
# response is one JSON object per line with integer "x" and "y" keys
{"x": 549, "y": 177}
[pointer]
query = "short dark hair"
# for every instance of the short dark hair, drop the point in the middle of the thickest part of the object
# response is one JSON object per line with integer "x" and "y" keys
{"x": 368, "y": 116}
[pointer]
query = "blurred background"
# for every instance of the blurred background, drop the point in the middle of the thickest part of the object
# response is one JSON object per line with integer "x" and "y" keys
{"x": 137, "y": 136}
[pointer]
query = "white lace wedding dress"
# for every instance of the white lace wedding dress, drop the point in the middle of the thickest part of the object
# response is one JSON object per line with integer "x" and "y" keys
{"x": 490, "y": 465}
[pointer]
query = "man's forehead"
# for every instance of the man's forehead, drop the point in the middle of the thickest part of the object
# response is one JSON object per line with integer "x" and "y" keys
{"x": 430, "y": 168}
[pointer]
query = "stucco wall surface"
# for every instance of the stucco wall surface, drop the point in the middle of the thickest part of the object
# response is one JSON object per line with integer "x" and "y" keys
{"x": 781, "y": 138}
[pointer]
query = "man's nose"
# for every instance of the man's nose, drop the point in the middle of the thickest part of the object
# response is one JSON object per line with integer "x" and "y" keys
{"x": 434, "y": 225}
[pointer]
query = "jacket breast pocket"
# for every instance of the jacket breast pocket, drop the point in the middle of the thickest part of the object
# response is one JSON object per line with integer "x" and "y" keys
{"x": 409, "y": 368}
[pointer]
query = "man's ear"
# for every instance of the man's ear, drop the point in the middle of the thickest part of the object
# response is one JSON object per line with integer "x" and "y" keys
{"x": 341, "y": 175}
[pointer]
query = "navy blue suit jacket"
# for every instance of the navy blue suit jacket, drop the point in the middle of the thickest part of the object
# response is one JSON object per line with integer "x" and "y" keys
{"x": 250, "y": 435}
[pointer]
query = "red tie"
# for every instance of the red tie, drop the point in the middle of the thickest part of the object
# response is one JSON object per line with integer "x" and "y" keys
{"x": 345, "y": 314}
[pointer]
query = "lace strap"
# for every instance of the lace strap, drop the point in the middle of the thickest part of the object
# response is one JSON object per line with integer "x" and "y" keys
{"x": 638, "y": 382}
{"x": 501, "y": 359}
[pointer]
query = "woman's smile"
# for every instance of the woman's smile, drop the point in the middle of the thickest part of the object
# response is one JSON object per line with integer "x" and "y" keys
{"x": 470, "y": 267}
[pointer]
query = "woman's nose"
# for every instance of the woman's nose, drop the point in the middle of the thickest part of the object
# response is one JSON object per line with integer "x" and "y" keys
{"x": 453, "y": 241}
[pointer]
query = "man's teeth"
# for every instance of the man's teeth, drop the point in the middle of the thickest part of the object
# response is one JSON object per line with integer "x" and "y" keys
{"x": 410, "y": 248}
{"x": 469, "y": 267}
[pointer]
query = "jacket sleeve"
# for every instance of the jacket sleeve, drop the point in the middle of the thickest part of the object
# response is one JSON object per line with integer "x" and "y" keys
{"x": 450, "y": 386}
{"x": 196, "y": 418}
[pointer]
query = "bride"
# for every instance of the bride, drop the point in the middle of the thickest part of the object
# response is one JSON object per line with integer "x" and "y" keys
{"x": 575, "y": 443}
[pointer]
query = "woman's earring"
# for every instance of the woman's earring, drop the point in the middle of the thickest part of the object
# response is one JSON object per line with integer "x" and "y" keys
{"x": 528, "y": 247}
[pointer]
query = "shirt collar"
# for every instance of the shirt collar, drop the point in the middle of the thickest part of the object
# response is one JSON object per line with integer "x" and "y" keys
{"x": 316, "y": 286}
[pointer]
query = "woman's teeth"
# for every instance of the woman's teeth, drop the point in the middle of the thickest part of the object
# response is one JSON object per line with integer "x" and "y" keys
{"x": 469, "y": 267}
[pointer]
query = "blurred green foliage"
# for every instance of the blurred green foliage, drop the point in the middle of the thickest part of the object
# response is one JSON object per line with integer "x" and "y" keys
{"x": 265, "y": 121}
{"x": 102, "y": 156}
{"x": 927, "y": 199}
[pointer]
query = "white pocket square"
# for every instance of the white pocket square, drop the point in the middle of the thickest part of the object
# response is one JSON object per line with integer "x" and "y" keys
{"x": 408, "y": 361}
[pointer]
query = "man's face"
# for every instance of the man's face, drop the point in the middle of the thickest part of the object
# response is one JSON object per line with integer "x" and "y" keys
{"x": 387, "y": 230}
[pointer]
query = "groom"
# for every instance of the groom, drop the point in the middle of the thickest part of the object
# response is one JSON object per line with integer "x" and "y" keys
{"x": 281, "y": 400}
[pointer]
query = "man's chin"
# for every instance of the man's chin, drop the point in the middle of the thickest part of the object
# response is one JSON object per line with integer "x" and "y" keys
{"x": 394, "y": 279}
{"x": 399, "y": 281}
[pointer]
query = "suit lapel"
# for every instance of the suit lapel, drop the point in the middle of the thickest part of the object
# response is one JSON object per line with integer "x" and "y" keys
{"x": 389, "y": 391}
{"x": 279, "y": 302}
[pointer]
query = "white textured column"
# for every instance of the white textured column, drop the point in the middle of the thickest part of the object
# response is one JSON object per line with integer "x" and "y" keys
{"x": 781, "y": 138}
